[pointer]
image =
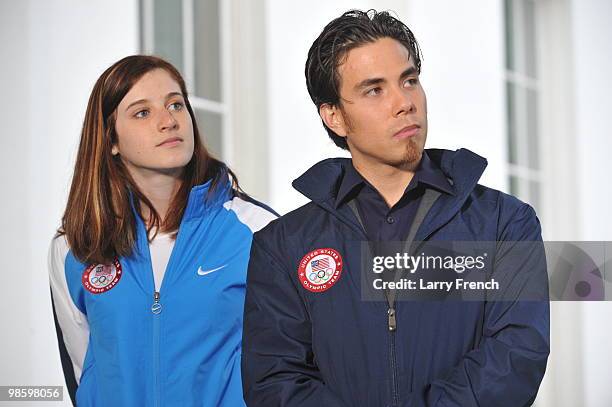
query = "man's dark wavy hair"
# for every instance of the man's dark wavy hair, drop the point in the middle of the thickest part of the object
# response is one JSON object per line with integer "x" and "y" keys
{"x": 352, "y": 29}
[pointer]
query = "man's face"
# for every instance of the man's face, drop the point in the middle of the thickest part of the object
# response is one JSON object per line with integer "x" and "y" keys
{"x": 383, "y": 109}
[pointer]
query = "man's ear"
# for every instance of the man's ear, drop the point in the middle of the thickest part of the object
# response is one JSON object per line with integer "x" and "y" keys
{"x": 333, "y": 118}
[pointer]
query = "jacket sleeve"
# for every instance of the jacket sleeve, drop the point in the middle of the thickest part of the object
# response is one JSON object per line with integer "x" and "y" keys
{"x": 70, "y": 323}
{"x": 508, "y": 365}
{"x": 278, "y": 367}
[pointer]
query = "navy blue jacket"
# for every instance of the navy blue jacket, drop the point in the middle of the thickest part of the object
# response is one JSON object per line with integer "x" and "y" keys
{"x": 331, "y": 348}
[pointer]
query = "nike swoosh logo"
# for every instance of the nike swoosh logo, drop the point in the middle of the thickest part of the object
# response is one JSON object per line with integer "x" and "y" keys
{"x": 204, "y": 272}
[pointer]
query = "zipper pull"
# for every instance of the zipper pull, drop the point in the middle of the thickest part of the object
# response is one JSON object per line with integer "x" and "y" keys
{"x": 156, "y": 308}
{"x": 392, "y": 321}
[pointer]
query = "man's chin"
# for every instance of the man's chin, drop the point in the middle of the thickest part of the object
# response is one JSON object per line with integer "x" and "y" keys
{"x": 412, "y": 156}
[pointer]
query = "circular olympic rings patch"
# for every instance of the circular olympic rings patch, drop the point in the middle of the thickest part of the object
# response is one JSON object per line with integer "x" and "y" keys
{"x": 320, "y": 269}
{"x": 99, "y": 278}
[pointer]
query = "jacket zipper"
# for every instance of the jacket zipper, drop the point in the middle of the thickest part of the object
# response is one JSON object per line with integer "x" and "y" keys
{"x": 156, "y": 309}
{"x": 392, "y": 326}
{"x": 424, "y": 207}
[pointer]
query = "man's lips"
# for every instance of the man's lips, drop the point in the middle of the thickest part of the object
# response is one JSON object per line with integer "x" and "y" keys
{"x": 408, "y": 131}
{"x": 171, "y": 141}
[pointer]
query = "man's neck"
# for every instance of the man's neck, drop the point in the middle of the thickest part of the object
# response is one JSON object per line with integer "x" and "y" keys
{"x": 390, "y": 181}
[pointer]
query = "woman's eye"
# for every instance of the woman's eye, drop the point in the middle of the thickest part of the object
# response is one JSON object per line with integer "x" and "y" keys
{"x": 141, "y": 114}
{"x": 176, "y": 106}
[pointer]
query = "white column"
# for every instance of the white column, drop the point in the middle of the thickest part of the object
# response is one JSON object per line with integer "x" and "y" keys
{"x": 592, "y": 31}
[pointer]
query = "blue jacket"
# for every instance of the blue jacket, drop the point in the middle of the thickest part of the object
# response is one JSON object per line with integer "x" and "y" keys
{"x": 125, "y": 352}
{"x": 330, "y": 348}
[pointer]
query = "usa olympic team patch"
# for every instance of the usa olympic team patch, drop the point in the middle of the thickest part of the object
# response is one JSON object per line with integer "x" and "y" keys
{"x": 320, "y": 269}
{"x": 99, "y": 278}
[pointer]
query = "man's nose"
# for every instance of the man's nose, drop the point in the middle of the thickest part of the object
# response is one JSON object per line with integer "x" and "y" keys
{"x": 403, "y": 102}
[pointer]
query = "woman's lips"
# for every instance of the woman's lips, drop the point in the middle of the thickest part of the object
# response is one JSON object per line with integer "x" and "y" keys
{"x": 170, "y": 142}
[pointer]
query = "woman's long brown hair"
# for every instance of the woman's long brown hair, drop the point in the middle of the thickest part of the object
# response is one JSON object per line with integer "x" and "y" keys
{"x": 99, "y": 222}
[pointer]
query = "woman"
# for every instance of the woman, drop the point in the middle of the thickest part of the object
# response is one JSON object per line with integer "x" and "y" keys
{"x": 148, "y": 269}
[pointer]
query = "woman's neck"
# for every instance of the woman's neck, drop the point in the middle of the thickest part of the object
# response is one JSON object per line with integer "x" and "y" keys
{"x": 159, "y": 188}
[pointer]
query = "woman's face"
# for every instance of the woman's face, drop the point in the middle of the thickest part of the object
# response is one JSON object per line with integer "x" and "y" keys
{"x": 154, "y": 128}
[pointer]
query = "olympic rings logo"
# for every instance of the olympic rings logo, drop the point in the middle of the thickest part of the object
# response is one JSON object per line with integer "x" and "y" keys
{"x": 321, "y": 276}
{"x": 101, "y": 280}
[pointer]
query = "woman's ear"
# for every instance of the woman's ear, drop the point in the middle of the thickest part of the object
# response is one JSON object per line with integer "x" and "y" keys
{"x": 114, "y": 149}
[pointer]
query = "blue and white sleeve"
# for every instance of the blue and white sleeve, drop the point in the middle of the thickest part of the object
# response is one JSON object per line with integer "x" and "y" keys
{"x": 71, "y": 324}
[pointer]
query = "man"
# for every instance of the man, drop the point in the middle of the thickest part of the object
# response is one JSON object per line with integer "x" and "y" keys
{"x": 310, "y": 337}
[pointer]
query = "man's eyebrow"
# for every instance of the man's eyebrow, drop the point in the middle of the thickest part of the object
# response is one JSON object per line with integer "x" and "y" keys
{"x": 410, "y": 71}
{"x": 168, "y": 96}
{"x": 369, "y": 82}
{"x": 377, "y": 81}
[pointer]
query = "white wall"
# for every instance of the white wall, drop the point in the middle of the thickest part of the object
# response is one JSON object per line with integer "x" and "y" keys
{"x": 592, "y": 31}
{"x": 55, "y": 50}
{"x": 593, "y": 63}
{"x": 14, "y": 177}
{"x": 462, "y": 73}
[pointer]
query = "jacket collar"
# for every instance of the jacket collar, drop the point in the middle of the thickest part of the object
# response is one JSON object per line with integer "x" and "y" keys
{"x": 427, "y": 172}
{"x": 202, "y": 198}
{"x": 462, "y": 168}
